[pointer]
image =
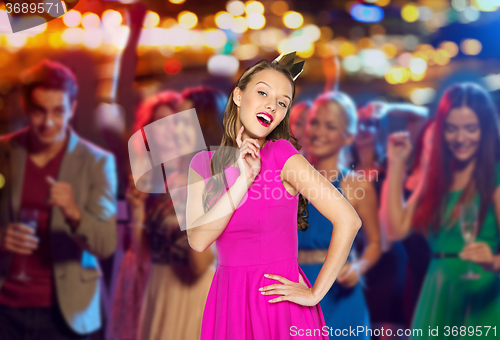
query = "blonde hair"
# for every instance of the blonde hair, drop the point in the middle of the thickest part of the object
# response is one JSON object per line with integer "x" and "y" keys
{"x": 346, "y": 105}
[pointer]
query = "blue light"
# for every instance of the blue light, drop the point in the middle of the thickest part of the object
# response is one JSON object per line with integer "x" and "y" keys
{"x": 365, "y": 13}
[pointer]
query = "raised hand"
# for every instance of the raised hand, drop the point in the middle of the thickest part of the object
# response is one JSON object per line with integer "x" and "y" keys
{"x": 398, "y": 147}
{"x": 249, "y": 160}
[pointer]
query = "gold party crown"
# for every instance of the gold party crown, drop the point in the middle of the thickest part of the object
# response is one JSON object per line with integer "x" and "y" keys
{"x": 287, "y": 60}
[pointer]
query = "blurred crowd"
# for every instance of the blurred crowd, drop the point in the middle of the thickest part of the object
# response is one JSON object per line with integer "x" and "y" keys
{"x": 423, "y": 183}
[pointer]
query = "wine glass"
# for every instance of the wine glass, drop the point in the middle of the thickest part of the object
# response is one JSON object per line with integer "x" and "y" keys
{"x": 29, "y": 218}
{"x": 469, "y": 227}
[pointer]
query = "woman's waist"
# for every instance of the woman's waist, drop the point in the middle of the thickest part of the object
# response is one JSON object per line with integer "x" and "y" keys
{"x": 255, "y": 262}
{"x": 255, "y": 251}
{"x": 318, "y": 256}
{"x": 312, "y": 256}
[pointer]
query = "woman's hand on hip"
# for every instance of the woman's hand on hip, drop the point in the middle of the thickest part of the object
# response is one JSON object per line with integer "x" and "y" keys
{"x": 295, "y": 292}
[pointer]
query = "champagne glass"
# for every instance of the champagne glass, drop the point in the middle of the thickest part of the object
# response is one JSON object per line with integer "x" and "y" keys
{"x": 469, "y": 227}
{"x": 29, "y": 218}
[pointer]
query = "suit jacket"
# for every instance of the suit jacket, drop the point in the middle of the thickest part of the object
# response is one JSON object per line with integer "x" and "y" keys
{"x": 91, "y": 173}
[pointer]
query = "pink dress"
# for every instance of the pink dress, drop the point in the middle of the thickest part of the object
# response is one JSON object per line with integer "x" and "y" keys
{"x": 261, "y": 238}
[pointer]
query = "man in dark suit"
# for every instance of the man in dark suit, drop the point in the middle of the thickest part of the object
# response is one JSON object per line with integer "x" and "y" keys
{"x": 71, "y": 184}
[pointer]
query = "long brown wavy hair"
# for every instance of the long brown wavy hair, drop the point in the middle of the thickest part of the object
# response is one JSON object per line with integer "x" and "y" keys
{"x": 438, "y": 180}
{"x": 224, "y": 157}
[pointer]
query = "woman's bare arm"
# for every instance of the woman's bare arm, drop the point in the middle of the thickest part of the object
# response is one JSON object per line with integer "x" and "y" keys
{"x": 396, "y": 214}
{"x": 204, "y": 228}
{"x": 366, "y": 207}
{"x": 330, "y": 203}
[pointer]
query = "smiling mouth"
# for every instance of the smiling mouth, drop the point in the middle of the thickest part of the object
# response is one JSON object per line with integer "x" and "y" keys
{"x": 264, "y": 118}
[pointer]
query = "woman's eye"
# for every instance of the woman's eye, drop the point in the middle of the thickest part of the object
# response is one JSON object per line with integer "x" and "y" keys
{"x": 282, "y": 104}
{"x": 472, "y": 129}
{"x": 261, "y": 92}
{"x": 449, "y": 129}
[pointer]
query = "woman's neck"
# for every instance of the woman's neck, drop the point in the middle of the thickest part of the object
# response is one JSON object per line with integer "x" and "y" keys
{"x": 366, "y": 155}
{"x": 463, "y": 173}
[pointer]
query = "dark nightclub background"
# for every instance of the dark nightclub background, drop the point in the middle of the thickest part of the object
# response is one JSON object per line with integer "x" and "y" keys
{"x": 124, "y": 51}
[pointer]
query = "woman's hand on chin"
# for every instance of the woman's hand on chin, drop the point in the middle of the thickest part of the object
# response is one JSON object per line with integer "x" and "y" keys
{"x": 249, "y": 159}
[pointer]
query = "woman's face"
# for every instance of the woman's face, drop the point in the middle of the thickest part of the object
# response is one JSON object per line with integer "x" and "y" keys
{"x": 185, "y": 132}
{"x": 264, "y": 103}
{"x": 298, "y": 120}
{"x": 462, "y": 133}
{"x": 162, "y": 112}
{"x": 326, "y": 130}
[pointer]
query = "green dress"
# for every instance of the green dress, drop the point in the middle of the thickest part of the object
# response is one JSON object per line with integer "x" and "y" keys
{"x": 459, "y": 308}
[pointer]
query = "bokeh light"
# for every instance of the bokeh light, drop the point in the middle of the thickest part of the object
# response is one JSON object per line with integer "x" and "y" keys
{"x": 111, "y": 18}
{"x": 224, "y": 20}
{"x": 187, "y": 19}
{"x": 223, "y": 65}
{"x": 256, "y": 21}
{"x": 409, "y": 12}
{"x": 471, "y": 47}
{"x": 423, "y": 96}
{"x": 382, "y": 3}
{"x": 151, "y": 19}
{"x": 450, "y": 47}
{"x": 239, "y": 25}
{"x": 390, "y": 50}
{"x": 90, "y": 20}
{"x": 246, "y": 51}
{"x": 254, "y": 7}
{"x": 172, "y": 66}
{"x": 418, "y": 66}
{"x": 72, "y": 19}
{"x": 486, "y": 5}
{"x": 352, "y": 63}
{"x": 72, "y": 35}
{"x": 92, "y": 38}
{"x": 293, "y": 19}
{"x": 214, "y": 38}
{"x": 235, "y": 7}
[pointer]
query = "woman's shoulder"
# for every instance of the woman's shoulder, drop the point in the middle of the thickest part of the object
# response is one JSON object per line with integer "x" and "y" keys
{"x": 282, "y": 149}
{"x": 282, "y": 146}
{"x": 200, "y": 161}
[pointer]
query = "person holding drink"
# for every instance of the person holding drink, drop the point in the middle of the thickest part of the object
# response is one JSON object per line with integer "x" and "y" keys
{"x": 57, "y": 216}
{"x": 456, "y": 206}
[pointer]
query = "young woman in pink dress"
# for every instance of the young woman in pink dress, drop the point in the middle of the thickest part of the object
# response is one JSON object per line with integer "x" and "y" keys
{"x": 252, "y": 211}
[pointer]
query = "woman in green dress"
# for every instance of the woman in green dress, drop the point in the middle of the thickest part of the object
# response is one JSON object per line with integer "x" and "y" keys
{"x": 463, "y": 172}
